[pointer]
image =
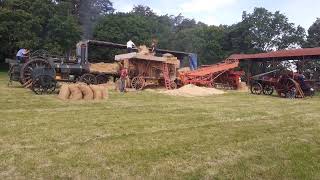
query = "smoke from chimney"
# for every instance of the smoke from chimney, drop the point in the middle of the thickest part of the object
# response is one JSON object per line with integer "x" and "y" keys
{"x": 87, "y": 17}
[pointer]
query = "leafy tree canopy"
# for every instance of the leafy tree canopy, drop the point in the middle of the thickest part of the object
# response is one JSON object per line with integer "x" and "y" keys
{"x": 313, "y": 39}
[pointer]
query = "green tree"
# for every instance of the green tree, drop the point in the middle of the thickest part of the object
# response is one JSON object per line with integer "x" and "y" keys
{"x": 271, "y": 31}
{"x": 63, "y": 33}
{"x": 313, "y": 39}
{"x": 143, "y": 11}
{"x": 205, "y": 41}
{"x": 17, "y": 29}
{"x": 37, "y": 24}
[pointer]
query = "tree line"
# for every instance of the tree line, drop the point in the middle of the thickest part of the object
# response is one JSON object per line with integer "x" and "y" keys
{"x": 57, "y": 25}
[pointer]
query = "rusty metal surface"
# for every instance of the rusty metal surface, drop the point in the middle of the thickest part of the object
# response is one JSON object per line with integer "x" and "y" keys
{"x": 212, "y": 69}
{"x": 209, "y": 76}
{"x": 310, "y": 53}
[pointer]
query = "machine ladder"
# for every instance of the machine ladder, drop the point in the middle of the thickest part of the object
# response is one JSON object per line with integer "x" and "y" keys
{"x": 166, "y": 76}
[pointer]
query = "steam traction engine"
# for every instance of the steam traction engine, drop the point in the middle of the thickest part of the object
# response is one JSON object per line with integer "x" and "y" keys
{"x": 286, "y": 83}
{"x": 41, "y": 71}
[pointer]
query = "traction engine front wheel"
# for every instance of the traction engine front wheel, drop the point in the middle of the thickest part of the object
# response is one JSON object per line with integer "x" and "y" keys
{"x": 256, "y": 88}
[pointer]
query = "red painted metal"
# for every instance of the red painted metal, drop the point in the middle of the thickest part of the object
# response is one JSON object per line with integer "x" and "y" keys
{"x": 166, "y": 76}
{"x": 282, "y": 54}
{"x": 212, "y": 75}
{"x": 283, "y": 83}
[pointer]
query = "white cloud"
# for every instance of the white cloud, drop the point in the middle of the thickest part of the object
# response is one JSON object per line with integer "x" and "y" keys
{"x": 210, "y": 20}
{"x": 205, "y": 5}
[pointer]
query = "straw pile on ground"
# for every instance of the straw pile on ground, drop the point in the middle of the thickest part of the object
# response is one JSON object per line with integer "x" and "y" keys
{"x": 104, "y": 68}
{"x": 77, "y": 92}
{"x": 193, "y": 91}
{"x": 243, "y": 87}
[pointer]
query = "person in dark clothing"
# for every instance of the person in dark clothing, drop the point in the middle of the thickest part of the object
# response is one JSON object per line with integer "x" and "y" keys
{"x": 153, "y": 47}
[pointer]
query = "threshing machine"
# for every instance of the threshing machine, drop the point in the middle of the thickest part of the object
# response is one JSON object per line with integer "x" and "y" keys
{"x": 221, "y": 75}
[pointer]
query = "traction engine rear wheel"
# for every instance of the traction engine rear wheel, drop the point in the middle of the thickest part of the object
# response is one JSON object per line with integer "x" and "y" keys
{"x": 28, "y": 68}
{"x": 88, "y": 79}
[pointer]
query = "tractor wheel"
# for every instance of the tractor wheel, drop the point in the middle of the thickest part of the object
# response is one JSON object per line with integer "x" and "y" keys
{"x": 88, "y": 79}
{"x": 256, "y": 88}
{"x": 102, "y": 79}
{"x": 28, "y": 68}
{"x": 268, "y": 90}
{"x": 44, "y": 84}
{"x": 137, "y": 83}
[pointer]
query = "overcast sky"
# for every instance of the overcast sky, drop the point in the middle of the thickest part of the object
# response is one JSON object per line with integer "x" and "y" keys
{"x": 216, "y": 12}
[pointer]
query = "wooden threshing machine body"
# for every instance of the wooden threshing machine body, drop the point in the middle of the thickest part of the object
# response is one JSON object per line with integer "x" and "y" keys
{"x": 146, "y": 70}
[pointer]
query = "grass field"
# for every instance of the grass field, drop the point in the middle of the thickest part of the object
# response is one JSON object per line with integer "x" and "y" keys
{"x": 152, "y": 136}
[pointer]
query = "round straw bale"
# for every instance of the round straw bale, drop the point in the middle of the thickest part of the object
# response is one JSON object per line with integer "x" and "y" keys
{"x": 105, "y": 93}
{"x": 86, "y": 91}
{"x": 76, "y": 93}
{"x": 97, "y": 93}
{"x": 64, "y": 93}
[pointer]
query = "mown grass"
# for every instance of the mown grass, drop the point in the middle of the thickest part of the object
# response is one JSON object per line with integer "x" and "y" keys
{"x": 146, "y": 135}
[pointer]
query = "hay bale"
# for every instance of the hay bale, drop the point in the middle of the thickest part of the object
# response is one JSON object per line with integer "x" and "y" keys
{"x": 143, "y": 50}
{"x": 105, "y": 92}
{"x": 64, "y": 93}
{"x": 168, "y": 55}
{"x": 105, "y": 67}
{"x": 76, "y": 93}
{"x": 87, "y": 92}
{"x": 97, "y": 93}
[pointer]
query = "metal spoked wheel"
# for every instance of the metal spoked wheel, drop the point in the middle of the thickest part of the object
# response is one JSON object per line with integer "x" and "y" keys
{"x": 44, "y": 84}
{"x": 28, "y": 68}
{"x": 88, "y": 79}
{"x": 137, "y": 83}
{"x": 256, "y": 88}
{"x": 288, "y": 88}
{"x": 268, "y": 90}
{"x": 102, "y": 79}
{"x": 173, "y": 85}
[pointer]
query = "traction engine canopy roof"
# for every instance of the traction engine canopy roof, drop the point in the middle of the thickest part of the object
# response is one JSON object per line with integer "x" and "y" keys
{"x": 282, "y": 55}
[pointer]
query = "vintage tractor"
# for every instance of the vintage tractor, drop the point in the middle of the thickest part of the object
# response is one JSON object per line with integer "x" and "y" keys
{"x": 36, "y": 73}
{"x": 286, "y": 83}
{"x": 41, "y": 70}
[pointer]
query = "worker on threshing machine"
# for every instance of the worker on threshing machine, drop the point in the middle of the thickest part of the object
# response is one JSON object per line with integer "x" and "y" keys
{"x": 154, "y": 46}
{"x": 22, "y": 55}
{"x": 130, "y": 46}
{"x": 193, "y": 60}
{"x": 123, "y": 78}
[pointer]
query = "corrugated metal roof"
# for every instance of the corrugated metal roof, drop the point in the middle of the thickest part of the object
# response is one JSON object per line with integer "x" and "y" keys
{"x": 310, "y": 53}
